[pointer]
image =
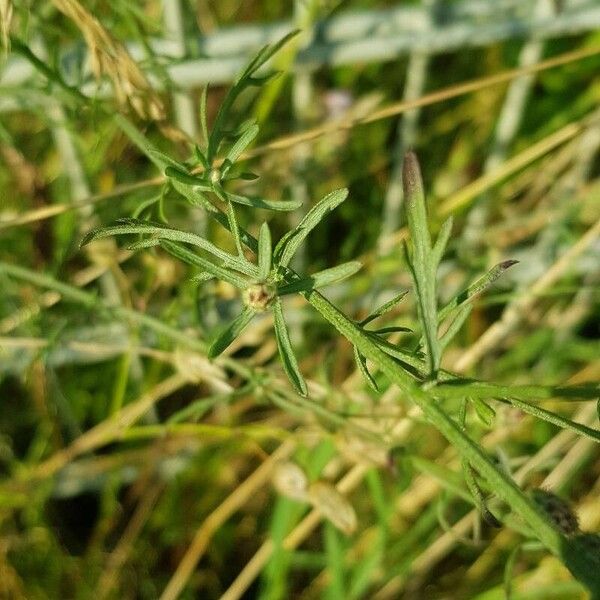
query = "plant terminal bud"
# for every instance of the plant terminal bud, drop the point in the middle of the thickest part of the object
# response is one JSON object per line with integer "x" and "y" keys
{"x": 258, "y": 296}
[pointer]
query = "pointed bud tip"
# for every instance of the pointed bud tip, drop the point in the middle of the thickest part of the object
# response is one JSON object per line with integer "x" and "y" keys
{"x": 508, "y": 263}
{"x": 411, "y": 175}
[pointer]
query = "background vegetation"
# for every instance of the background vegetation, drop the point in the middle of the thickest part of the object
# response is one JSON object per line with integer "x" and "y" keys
{"x": 135, "y": 467}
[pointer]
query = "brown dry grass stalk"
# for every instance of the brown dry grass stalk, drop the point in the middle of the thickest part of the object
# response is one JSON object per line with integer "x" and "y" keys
{"x": 6, "y": 16}
{"x": 108, "y": 57}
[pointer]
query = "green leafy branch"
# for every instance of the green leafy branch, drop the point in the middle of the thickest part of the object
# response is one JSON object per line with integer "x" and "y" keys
{"x": 264, "y": 281}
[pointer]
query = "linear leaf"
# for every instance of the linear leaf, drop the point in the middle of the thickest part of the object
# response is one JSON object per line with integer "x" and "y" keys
{"x": 475, "y": 288}
{"x": 423, "y": 267}
{"x": 286, "y": 352}
{"x": 145, "y": 243}
{"x": 397, "y": 353}
{"x": 187, "y": 178}
{"x": 550, "y": 417}
{"x": 233, "y": 330}
{"x": 202, "y": 277}
{"x": 242, "y": 143}
{"x": 141, "y": 141}
{"x": 384, "y": 308}
{"x": 286, "y": 250}
{"x": 321, "y": 278}
{"x": 203, "y": 119}
{"x": 222, "y": 273}
{"x": 281, "y": 205}
{"x": 361, "y": 363}
{"x": 243, "y": 81}
{"x": 455, "y": 326}
{"x": 197, "y": 198}
{"x": 392, "y": 329}
{"x": 162, "y": 158}
{"x": 442, "y": 241}
{"x": 264, "y": 252}
{"x": 159, "y": 231}
{"x": 484, "y": 411}
{"x": 478, "y": 496}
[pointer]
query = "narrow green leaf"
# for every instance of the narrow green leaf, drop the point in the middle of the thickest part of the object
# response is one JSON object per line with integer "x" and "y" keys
{"x": 280, "y": 205}
{"x": 202, "y": 277}
{"x": 264, "y": 252}
{"x": 235, "y": 229}
{"x": 478, "y": 496}
{"x": 475, "y": 288}
{"x": 142, "y": 206}
{"x": 286, "y": 352}
{"x": 197, "y": 198}
{"x": 187, "y": 178}
{"x": 247, "y": 176}
{"x": 391, "y": 329}
{"x": 398, "y": 353}
{"x": 484, "y": 411}
{"x": 456, "y": 325}
{"x": 271, "y": 49}
{"x": 321, "y": 278}
{"x": 161, "y": 232}
{"x": 423, "y": 266}
{"x": 244, "y": 81}
{"x": 442, "y": 241}
{"x": 361, "y": 363}
{"x": 164, "y": 159}
{"x": 142, "y": 244}
{"x": 185, "y": 255}
{"x": 203, "y": 119}
{"x": 287, "y": 247}
{"x": 142, "y": 142}
{"x": 416, "y": 211}
{"x": 242, "y": 143}
{"x": 384, "y": 308}
{"x": 231, "y": 332}
{"x": 200, "y": 157}
{"x": 550, "y": 417}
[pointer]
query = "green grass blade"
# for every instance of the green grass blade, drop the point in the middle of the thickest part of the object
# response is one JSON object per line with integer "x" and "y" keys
{"x": 289, "y": 244}
{"x": 232, "y": 331}
{"x": 286, "y": 352}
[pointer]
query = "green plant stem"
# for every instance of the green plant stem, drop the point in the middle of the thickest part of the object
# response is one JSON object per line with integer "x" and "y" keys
{"x": 530, "y": 393}
{"x": 503, "y": 486}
